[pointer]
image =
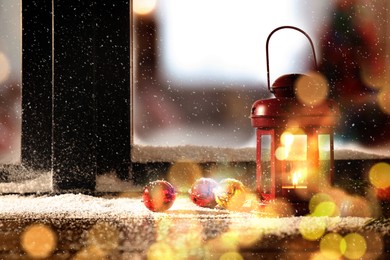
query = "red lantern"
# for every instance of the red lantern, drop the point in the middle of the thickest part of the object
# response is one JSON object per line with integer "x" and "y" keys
{"x": 294, "y": 135}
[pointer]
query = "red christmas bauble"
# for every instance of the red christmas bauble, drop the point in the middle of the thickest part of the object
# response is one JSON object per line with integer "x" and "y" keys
{"x": 159, "y": 195}
{"x": 202, "y": 192}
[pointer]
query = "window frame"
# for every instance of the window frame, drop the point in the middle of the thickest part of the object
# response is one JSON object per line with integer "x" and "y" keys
{"x": 76, "y": 95}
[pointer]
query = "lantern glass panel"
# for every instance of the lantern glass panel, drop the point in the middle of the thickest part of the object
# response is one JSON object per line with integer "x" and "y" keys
{"x": 266, "y": 183}
{"x": 294, "y": 160}
{"x": 324, "y": 155}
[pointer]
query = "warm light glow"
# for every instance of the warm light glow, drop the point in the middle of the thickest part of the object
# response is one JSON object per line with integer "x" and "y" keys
{"x": 293, "y": 146}
{"x": 379, "y": 175}
{"x": 312, "y": 89}
{"x": 278, "y": 207}
{"x": 281, "y": 153}
{"x": 187, "y": 239}
{"x": 250, "y": 236}
{"x": 160, "y": 250}
{"x": 312, "y": 228}
{"x": 325, "y": 209}
{"x": 5, "y": 67}
{"x": 182, "y": 175}
{"x": 103, "y": 236}
{"x": 90, "y": 252}
{"x": 296, "y": 177}
{"x": 231, "y": 255}
{"x": 384, "y": 100}
{"x": 322, "y": 205}
{"x": 353, "y": 246}
{"x": 143, "y": 7}
{"x": 330, "y": 246}
{"x": 38, "y": 241}
{"x": 287, "y": 139}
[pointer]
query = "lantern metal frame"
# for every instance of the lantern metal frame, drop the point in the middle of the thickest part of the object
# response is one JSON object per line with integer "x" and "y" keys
{"x": 273, "y": 117}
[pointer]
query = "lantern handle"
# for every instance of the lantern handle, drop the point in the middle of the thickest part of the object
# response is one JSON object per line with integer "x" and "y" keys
{"x": 267, "y": 55}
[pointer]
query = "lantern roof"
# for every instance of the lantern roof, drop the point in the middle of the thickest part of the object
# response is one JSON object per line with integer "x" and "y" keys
{"x": 286, "y": 110}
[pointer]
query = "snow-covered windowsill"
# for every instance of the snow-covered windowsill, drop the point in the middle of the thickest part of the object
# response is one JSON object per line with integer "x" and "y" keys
{"x": 122, "y": 228}
{"x": 21, "y": 180}
{"x": 185, "y": 229}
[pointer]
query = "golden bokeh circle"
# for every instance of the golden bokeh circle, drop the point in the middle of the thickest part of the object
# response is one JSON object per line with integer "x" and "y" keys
{"x": 160, "y": 250}
{"x": 144, "y": 7}
{"x": 379, "y": 175}
{"x": 353, "y": 246}
{"x": 312, "y": 228}
{"x": 330, "y": 246}
{"x": 38, "y": 241}
{"x": 312, "y": 89}
{"x": 183, "y": 174}
{"x": 384, "y": 100}
{"x": 103, "y": 236}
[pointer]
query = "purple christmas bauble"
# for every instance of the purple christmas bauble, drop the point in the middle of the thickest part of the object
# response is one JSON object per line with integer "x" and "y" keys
{"x": 202, "y": 192}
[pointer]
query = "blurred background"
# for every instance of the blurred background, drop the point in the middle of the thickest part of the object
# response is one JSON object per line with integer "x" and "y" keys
{"x": 10, "y": 81}
{"x": 199, "y": 66}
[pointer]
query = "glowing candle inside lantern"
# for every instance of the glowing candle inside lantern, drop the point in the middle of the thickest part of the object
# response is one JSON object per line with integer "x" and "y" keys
{"x": 295, "y": 180}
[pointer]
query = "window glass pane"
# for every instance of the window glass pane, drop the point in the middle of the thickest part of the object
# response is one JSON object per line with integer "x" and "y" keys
{"x": 10, "y": 81}
{"x": 199, "y": 66}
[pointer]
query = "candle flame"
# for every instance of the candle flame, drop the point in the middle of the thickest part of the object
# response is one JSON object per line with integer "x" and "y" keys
{"x": 296, "y": 177}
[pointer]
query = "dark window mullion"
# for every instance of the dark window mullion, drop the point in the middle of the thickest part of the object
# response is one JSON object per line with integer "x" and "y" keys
{"x": 74, "y": 107}
{"x": 37, "y": 84}
{"x": 76, "y": 97}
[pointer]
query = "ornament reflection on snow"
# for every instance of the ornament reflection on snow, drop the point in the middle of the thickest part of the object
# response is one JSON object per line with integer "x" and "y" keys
{"x": 202, "y": 192}
{"x": 230, "y": 194}
{"x": 159, "y": 195}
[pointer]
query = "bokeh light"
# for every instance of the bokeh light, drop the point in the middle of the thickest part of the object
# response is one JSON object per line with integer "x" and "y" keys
{"x": 38, "y": 241}
{"x": 182, "y": 175}
{"x": 279, "y": 207}
{"x": 384, "y": 100}
{"x": 322, "y": 205}
{"x": 312, "y": 228}
{"x": 103, "y": 236}
{"x": 312, "y": 89}
{"x": 160, "y": 250}
{"x": 281, "y": 153}
{"x": 379, "y": 175}
{"x": 231, "y": 256}
{"x": 144, "y": 7}
{"x": 249, "y": 237}
{"x": 353, "y": 246}
{"x": 5, "y": 67}
{"x": 287, "y": 139}
{"x": 330, "y": 246}
{"x": 164, "y": 226}
{"x": 325, "y": 209}
{"x": 90, "y": 252}
{"x": 187, "y": 240}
